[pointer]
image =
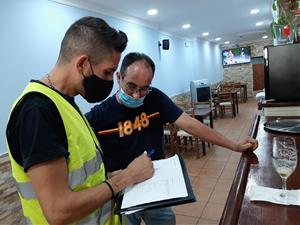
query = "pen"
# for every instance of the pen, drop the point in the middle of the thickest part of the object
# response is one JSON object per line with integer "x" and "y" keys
{"x": 151, "y": 153}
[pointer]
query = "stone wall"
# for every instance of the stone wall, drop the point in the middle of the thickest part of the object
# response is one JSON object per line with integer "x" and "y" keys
{"x": 244, "y": 73}
{"x": 10, "y": 207}
{"x": 182, "y": 98}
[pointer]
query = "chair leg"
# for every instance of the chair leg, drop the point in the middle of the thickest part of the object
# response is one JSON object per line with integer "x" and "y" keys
{"x": 197, "y": 148}
{"x": 203, "y": 148}
{"x": 216, "y": 112}
{"x": 221, "y": 111}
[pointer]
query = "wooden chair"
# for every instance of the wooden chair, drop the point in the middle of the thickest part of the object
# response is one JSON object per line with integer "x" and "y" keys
{"x": 206, "y": 120}
{"x": 186, "y": 141}
{"x": 209, "y": 104}
{"x": 240, "y": 92}
{"x": 170, "y": 139}
{"x": 225, "y": 103}
{"x": 234, "y": 86}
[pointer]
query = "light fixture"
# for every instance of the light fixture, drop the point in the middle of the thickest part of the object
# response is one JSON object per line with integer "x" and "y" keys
{"x": 152, "y": 12}
{"x": 186, "y": 26}
{"x": 254, "y": 11}
{"x": 227, "y": 42}
{"x": 218, "y": 39}
{"x": 205, "y": 34}
{"x": 259, "y": 23}
{"x": 264, "y": 37}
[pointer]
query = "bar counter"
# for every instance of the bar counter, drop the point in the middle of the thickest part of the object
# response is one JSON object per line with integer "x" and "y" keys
{"x": 256, "y": 168}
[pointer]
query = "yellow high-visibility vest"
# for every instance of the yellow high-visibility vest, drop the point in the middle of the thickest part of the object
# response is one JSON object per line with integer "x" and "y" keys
{"x": 85, "y": 166}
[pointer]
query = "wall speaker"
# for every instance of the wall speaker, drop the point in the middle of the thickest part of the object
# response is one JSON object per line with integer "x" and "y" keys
{"x": 165, "y": 44}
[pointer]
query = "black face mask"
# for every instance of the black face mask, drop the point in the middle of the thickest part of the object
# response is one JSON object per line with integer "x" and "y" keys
{"x": 96, "y": 89}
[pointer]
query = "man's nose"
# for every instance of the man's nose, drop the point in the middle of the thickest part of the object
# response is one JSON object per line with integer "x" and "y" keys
{"x": 136, "y": 94}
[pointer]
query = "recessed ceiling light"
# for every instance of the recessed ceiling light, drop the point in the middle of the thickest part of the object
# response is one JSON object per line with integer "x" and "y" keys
{"x": 186, "y": 26}
{"x": 254, "y": 11}
{"x": 205, "y": 34}
{"x": 264, "y": 37}
{"x": 218, "y": 39}
{"x": 259, "y": 23}
{"x": 152, "y": 12}
{"x": 227, "y": 42}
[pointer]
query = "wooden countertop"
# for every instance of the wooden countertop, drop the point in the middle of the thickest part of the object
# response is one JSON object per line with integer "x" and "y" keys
{"x": 256, "y": 168}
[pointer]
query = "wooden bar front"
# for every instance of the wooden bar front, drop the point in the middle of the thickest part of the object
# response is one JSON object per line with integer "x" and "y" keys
{"x": 256, "y": 168}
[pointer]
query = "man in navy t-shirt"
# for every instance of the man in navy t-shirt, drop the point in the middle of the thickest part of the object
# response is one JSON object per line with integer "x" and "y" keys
{"x": 131, "y": 122}
{"x": 127, "y": 132}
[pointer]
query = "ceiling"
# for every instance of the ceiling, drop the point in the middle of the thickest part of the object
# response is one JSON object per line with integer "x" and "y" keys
{"x": 229, "y": 19}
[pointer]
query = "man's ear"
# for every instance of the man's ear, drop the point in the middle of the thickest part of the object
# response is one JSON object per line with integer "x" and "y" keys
{"x": 83, "y": 64}
{"x": 118, "y": 77}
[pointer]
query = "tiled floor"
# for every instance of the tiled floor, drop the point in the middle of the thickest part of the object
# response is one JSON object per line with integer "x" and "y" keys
{"x": 212, "y": 174}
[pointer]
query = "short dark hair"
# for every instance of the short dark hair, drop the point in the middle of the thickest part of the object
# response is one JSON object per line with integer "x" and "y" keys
{"x": 91, "y": 36}
{"x": 132, "y": 57}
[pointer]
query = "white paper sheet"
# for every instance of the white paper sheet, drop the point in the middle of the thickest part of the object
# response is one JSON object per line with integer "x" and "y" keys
{"x": 166, "y": 183}
{"x": 260, "y": 193}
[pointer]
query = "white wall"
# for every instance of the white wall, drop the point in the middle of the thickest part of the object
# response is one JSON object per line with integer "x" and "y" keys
{"x": 31, "y": 32}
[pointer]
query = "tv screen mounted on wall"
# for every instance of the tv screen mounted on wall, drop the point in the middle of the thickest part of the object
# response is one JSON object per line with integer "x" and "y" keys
{"x": 236, "y": 56}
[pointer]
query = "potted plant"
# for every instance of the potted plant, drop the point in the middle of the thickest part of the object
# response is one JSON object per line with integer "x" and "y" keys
{"x": 283, "y": 25}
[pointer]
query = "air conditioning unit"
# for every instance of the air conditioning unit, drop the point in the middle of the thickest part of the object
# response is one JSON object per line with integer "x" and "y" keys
{"x": 200, "y": 91}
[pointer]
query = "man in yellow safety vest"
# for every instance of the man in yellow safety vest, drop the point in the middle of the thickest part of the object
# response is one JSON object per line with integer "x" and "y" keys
{"x": 55, "y": 157}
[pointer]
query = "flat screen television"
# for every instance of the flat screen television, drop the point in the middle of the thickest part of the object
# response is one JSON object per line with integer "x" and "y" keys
{"x": 282, "y": 73}
{"x": 236, "y": 56}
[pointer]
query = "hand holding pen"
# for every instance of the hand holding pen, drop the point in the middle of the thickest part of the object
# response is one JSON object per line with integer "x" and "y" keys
{"x": 141, "y": 168}
{"x": 151, "y": 153}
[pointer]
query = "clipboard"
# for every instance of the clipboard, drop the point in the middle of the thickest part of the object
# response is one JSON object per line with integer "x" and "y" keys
{"x": 163, "y": 203}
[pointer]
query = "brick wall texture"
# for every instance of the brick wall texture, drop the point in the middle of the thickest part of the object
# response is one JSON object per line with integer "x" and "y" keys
{"x": 10, "y": 207}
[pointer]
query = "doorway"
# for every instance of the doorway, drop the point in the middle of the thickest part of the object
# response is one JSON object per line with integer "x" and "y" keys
{"x": 258, "y": 73}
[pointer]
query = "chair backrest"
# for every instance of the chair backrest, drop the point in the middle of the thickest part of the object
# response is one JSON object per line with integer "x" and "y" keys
{"x": 227, "y": 87}
{"x": 185, "y": 106}
{"x": 170, "y": 136}
{"x": 224, "y": 97}
{"x": 200, "y": 105}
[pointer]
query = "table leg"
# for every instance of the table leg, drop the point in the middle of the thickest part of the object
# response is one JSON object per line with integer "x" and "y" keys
{"x": 211, "y": 120}
{"x": 237, "y": 102}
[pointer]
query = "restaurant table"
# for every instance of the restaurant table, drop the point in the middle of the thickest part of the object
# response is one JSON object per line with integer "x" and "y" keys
{"x": 241, "y": 86}
{"x": 201, "y": 113}
{"x": 256, "y": 168}
{"x": 233, "y": 95}
{"x": 245, "y": 94}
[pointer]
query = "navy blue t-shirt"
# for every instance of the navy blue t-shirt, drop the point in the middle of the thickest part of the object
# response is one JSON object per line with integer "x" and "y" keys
{"x": 125, "y": 133}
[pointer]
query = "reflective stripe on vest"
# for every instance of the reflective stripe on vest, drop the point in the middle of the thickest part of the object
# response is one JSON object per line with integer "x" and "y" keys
{"x": 76, "y": 177}
{"x": 91, "y": 219}
{"x": 98, "y": 217}
{"x": 28, "y": 221}
{"x": 85, "y": 166}
{"x": 106, "y": 212}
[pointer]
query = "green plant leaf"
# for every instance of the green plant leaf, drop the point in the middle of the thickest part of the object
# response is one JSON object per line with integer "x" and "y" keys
{"x": 274, "y": 6}
{"x": 272, "y": 29}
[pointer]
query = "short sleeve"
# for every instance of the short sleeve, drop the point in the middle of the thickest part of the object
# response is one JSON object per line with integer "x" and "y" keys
{"x": 37, "y": 132}
{"x": 170, "y": 112}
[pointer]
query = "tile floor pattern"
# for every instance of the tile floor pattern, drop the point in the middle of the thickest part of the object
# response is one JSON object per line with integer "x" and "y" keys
{"x": 212, "y": 175}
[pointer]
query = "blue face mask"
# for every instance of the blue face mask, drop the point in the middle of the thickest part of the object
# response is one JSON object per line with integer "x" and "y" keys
{"x": 129, "y": 101}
